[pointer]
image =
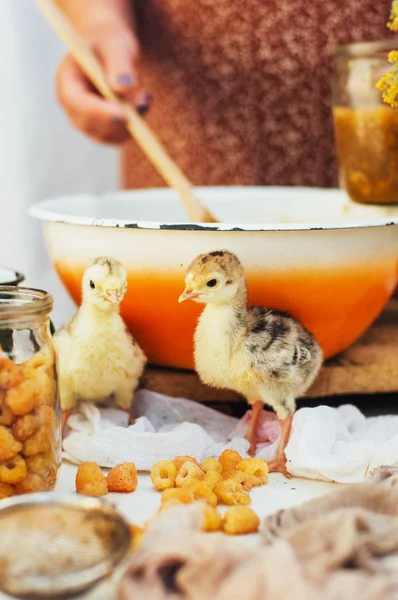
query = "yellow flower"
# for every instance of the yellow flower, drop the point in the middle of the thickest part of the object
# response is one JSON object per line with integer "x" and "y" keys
{"x": 393, "y": 21}
{"x": 393, "y": 57}
{"x": 388, "y": 84}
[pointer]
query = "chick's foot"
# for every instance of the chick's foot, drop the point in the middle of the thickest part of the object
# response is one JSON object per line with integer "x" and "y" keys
{"x": 279, "y": 466}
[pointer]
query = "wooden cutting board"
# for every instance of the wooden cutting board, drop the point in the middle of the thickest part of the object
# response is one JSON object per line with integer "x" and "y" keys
{"x": 368, "y": 366}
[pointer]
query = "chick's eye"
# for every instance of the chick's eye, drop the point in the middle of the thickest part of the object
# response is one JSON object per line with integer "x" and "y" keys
{"x": 211, "y": 283}
{"x": 92, "y": 285}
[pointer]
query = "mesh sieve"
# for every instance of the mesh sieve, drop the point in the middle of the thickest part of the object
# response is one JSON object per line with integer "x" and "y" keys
{"x": 56, "y": 545}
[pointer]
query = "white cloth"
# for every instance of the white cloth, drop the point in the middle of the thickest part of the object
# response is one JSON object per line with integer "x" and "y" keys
{"x": 341, "y": 444}
{"x": 164, "y": 428}
{"x": 41, "y": 155}
{"x": 330, "y": 444}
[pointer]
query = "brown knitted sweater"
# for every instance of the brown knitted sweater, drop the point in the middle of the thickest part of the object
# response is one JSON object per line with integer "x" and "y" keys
{"x": 242, "y": 88}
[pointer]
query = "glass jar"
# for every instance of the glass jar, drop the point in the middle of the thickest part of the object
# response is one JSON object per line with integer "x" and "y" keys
{"x": 30, "y": 421}
{"x": 366, "y": 129}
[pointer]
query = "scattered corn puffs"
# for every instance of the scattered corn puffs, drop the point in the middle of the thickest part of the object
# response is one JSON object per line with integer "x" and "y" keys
{"x": 240, "y": 520}
{"x": 243, "y": 478}
{"x": 169, "y": 504}
{"x": 201, "y": 491}
{"x": 211, "y": 464}
{"x": 189, "y": 471}
{"x": 231, "y": 492}
{"x": 256, "y": 469}
{"x": 183, "y": 495}
{"x": 212, "y": 478}
{"x": 178, "y": 461}
{"x": 163, "y": 474}
{"x": 212, "y": 520}
{"x": 90, "y": 480}
{"x": 122, "y": 479}
{"x": 229, "y": 459}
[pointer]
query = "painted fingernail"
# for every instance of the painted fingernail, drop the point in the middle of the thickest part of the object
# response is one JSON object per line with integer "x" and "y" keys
{"x": 143, "y": 109}
{"x": 126, "y": 79}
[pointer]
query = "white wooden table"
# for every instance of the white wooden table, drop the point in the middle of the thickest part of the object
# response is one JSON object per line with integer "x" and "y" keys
{"x": 144, "y": 502}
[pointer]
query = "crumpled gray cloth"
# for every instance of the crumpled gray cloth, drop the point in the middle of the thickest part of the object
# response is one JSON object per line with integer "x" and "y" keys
{"x": 341, "y": 546}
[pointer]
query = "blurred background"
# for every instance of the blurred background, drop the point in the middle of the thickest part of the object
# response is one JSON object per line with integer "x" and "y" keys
{"x": 44, "y": 156}
{"x": 41, "y": 154}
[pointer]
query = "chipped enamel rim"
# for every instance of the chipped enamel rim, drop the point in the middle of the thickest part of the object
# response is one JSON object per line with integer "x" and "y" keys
{"x": 376, "y": 216}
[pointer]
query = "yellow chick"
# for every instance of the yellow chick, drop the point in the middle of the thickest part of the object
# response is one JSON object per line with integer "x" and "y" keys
{"x": 97, "y": 357}
{"x": 265, "y": 355}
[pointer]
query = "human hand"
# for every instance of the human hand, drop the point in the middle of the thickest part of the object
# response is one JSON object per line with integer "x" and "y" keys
{"x": 117, "y": 49}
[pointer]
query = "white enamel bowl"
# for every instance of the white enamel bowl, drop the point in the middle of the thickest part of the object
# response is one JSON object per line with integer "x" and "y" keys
{"x": 314, "y": 253}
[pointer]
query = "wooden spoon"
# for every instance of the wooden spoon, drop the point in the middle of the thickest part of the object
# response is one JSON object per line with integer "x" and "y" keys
{"x": 137, "y": 127}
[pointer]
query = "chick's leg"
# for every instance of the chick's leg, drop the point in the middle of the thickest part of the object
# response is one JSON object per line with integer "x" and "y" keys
{"x": 123, "y": 399}
{"x": 279, "y": 464}
{"x": 64, "y": 420}
{"x": 251, "y": 435}
{"x": 131, "y": 420}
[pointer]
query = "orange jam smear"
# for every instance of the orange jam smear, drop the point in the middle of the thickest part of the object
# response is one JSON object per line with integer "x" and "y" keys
{"x": 337, "y": 304}
{"x": 367, "y": 148}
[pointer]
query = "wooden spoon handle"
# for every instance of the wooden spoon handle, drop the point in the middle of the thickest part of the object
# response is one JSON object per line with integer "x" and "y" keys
{"x": 137, "y": 127}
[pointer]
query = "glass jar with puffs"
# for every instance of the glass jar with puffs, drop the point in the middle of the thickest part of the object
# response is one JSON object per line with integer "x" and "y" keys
{"x": 30, "y": 433}
{"x": 366, "y": 128}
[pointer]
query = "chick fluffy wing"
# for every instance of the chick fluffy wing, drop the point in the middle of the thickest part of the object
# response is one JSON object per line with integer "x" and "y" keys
{"x": 137, "y": 358}
{"x": 278, "y": 345}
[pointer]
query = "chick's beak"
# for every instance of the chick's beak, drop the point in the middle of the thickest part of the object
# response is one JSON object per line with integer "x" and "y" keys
{"x": 187, "y": 294}
{"x": 111, "y": 296}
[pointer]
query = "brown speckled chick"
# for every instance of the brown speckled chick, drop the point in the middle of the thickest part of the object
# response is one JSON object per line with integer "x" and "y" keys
{"x": 265, "y": 355}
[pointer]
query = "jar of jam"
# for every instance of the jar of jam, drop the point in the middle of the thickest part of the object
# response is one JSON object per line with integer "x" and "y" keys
{"x": 30, "y": 422}
{"x": 366, "y": 129}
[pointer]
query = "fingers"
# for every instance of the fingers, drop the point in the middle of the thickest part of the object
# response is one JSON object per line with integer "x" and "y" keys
{"x": 97, "y": 118}
{"x": 120, "y": 54}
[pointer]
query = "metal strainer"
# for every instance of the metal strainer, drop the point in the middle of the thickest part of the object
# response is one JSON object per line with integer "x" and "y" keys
{"x": 56, "y": 545}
